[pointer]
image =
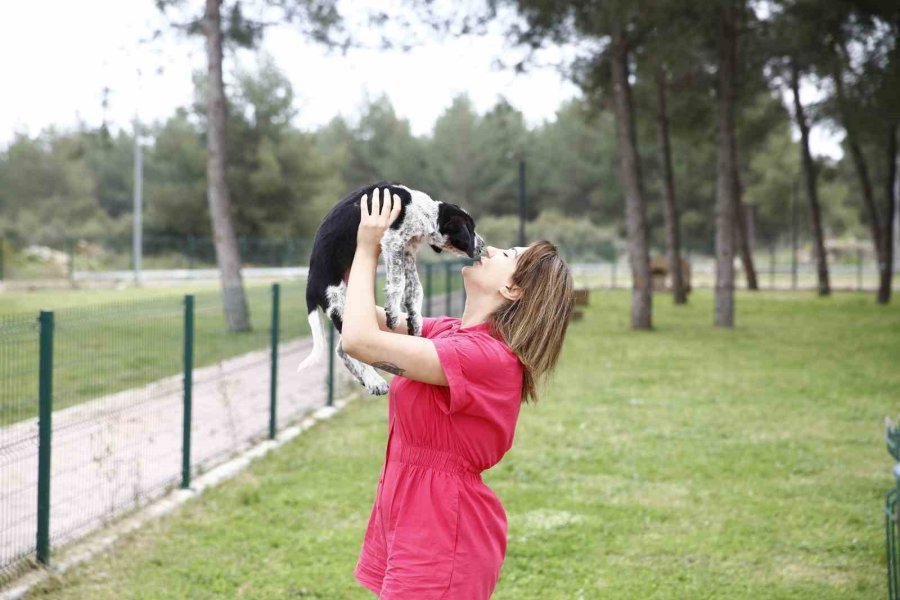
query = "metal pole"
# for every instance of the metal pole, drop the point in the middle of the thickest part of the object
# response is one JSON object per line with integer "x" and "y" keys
{"x": 45, "y": 430}
{"x": 522, "y": 202}
{"x": 772, "y": 265}
{"x": 273, "y": 385}
{"x": 859, "y": 268}
{"x": 191, "y": 250}
{"x": 447, "y": 299}
{"x": 188, "y": 383}
{"x": 330, "y": 401}
{"x": 428, "y": 290}
{"x": 794, "y": 238}
{"x": 137, "y": 242}
{"x": 70, "y": 246}
{"x": 463, "y": 282}
{"x": 615, "y": 262}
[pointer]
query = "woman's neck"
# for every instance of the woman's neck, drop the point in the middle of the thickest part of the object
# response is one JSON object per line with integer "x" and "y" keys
{"x": 477, "y": 310}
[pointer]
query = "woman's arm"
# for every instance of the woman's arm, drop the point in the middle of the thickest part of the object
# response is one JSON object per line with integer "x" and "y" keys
{"x": 362, "y": 337}
{"x": 382, "y": 321}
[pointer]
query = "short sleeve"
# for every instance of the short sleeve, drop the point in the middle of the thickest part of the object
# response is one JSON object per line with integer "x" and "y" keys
{"x": 433, "y": 325}
{"x": 482, "y": 374}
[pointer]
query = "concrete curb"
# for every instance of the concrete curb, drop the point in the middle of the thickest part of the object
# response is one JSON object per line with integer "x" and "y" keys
{"x": 87, "y": 549}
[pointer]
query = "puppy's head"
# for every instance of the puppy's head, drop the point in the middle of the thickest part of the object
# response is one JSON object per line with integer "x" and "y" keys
{"x": 456, "y": 232}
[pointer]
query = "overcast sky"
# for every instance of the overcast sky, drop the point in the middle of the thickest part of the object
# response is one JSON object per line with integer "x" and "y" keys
{"x": 60, "y": 54}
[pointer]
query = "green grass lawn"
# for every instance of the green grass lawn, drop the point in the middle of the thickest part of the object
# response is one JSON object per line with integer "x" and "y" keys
{"x": 688, "y": 462}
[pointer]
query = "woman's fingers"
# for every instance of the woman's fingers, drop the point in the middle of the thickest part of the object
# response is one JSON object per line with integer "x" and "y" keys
{"x": 385, "y": 206}
{"x": 384, "y": 209}
{"x": 395, "y": 208}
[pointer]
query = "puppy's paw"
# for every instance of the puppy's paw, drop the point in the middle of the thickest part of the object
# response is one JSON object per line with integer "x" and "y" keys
{"x": 377, "y": 389}
{"x": 414, "y": 324}
{"x": 390, "y": 320}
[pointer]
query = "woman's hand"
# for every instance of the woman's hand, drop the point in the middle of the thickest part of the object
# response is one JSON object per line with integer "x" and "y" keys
{"x": 372, "y": 226}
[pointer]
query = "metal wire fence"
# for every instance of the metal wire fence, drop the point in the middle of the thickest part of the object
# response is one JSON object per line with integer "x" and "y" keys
{"x": 772, "y": 274}
{"x": 193, "y": 257}
{"x": 105, "y": 408}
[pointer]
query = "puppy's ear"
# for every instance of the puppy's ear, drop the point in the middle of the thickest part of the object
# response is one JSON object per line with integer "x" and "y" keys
{"x": 460, "y": 236}
{"x": 435, "y": 248}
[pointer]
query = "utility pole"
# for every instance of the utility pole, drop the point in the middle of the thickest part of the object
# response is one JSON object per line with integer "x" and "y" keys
{"x": 794, "y": 236}
{"x": 522, "y": 202}
{"x": 137, "y": 233}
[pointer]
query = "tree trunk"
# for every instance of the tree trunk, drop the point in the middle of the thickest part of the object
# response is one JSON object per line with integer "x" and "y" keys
{"x": 630, "y": 174}
{"x": 725, "y": 184}
{"x": 809, "y": 174}
{"x": 859, "y": 161}
{"x": 227, "y": 255}
{"x": 742, "y": 230}
{"x": 673, "y": 241}
{"x": 886, "y": 265}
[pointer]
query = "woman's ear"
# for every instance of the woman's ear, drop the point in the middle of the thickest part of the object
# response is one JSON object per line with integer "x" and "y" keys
{"x": 512, "y": 292}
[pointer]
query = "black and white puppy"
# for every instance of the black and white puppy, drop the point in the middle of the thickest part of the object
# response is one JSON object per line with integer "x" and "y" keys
{"x": 421, "y": 220}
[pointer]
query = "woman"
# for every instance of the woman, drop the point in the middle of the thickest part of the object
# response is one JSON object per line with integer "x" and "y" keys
{"x": 436, "y": 530}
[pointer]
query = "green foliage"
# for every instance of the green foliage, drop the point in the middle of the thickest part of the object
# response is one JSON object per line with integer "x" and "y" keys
{"x": 49, "y": 191}
{"x": 283, "y": 180}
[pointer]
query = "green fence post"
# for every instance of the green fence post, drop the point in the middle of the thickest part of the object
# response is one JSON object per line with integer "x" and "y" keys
{"x": 859, "y": 269}
{"x": 330, "y": 400}
{"x": 70, "y": 248}
{"x": 188, "y": 384}
{"x": 463, "y": 282}
{"x": 615, "y": 263}
{"x": 190, "y": 250}
{"x": 45, "y": 429}
{"x": 448, "y": 301}
{"x": 428, "y": 290}
{"x": 273, "y": 386}
{"x": 288, "y": 251}
{"x": 772, "y": 266}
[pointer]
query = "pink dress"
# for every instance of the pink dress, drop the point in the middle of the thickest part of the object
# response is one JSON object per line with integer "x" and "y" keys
{"x": 436, "y": 530}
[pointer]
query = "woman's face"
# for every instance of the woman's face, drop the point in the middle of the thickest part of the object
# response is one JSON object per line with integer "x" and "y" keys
{"x": 493, "y": 271}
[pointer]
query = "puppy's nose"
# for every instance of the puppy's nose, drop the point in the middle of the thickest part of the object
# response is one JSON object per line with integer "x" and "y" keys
{"x": 478, "y": 250}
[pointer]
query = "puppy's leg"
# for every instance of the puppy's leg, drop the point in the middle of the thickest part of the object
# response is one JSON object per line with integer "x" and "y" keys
{"x": 335, "y": 295}
{"x": 412, "y": 295}
{"x": 365, "y": 374}
{"x": 392, "y": 250}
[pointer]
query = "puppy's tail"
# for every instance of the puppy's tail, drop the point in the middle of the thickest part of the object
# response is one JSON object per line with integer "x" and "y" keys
{"x": 318, "y": 336}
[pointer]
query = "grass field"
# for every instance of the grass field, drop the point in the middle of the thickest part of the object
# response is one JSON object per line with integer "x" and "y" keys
{"x": 687, "y": 462}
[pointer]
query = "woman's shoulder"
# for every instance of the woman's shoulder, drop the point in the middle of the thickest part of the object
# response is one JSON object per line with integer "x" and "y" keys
{"x": 498, "y": 347}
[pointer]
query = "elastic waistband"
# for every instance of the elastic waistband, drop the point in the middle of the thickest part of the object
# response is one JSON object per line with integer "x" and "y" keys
{"x": 431, "y": 458}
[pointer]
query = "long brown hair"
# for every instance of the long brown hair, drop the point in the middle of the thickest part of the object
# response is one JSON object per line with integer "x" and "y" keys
{"x": 534, "y": 326}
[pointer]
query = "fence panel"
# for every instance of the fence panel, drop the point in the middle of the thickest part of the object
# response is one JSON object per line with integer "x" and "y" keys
{"x": 19, "y": 336}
